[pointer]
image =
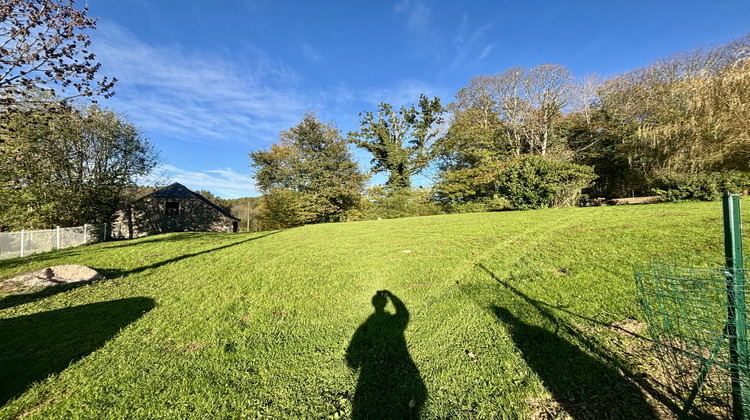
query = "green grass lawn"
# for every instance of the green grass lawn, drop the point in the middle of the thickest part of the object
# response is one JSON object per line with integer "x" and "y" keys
{"x": 492, "y": 315}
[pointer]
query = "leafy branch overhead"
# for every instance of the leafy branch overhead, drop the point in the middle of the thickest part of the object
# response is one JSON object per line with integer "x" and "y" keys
{"x": 399, "y": 140}
{"x": 43, "y": 43}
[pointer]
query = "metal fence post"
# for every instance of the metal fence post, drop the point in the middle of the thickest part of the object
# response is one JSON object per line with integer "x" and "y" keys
{"x": 736, "y": 316}
{"x": 85, "y": 233}
{"x": 105, "y": 233}
{"x": 58, "y": 237}
{"x": 22, "y": 239}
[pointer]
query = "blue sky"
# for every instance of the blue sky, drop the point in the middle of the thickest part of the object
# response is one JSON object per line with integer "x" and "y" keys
{"x": 210, "y": 81}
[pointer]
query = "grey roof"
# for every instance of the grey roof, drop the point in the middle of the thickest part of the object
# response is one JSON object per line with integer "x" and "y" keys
{"x": 178, "y": 190}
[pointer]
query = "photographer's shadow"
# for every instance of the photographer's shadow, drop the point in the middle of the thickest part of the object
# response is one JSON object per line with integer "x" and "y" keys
{"x": 389, "y": 383}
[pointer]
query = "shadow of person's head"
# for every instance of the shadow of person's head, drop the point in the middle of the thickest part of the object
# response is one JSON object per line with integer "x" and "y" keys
{"x": 379, "y": 300}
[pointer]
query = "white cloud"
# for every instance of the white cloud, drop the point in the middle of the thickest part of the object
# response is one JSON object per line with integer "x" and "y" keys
{"x": 196, "y": 95}
{"x": 467, "y": 41}
{"x": 224, "y": 183}
{"x": 485, "y": 51}
{"x": 418, "y": 15}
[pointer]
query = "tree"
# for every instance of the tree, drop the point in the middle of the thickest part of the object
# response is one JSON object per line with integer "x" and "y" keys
{"x": 399, "y": 140}
{"x": 587, "y": 94}
{"x": 514, "y": 107}
{"x": 42, "y": 43}
{"x": 470, "y": 155}
{"x": 308, "y": 176}
{"x": 495, "y": 119}
{"x": 63, "y": 164}
{"x": 222, "y": 203}
{"x": 549, "y": 89}
{"x": 680, "y": 116}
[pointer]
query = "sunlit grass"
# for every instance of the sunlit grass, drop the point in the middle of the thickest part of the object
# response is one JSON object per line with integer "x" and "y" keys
{"x": 506, "y": 310}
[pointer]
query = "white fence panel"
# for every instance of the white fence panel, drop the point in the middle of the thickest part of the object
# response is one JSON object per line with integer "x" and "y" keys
{"x": 27, "y": 242}
{"x": 10, "y": 244}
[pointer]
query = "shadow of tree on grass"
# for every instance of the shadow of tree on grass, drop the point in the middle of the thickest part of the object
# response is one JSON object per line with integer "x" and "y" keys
{"x": 32, "y": 347}
{"x": 389, "y": 386}
{"x": 587, "y": 381}
{"x": 110, "y": 273}
{"x": 583, "y": 385}
{"x": 10, "y": 301}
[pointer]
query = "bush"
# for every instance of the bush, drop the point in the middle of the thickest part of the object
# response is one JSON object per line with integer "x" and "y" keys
{"x": 703, "y": 186}
{"x": 480, "y": 206}
{"x": 392, "y": 203}
{"x": 533, "y": 182}
{"x": 283, "y": 208}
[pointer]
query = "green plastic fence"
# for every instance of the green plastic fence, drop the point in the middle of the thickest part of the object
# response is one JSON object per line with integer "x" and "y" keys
{"x": 695, "y": 309}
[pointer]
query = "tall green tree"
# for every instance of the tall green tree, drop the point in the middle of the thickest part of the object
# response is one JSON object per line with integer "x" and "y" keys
{"x": 308, "y": 176}
{"x": 470, "y": 155}
{"x": 66, "y": 165}
{"x": 400, "y": 140}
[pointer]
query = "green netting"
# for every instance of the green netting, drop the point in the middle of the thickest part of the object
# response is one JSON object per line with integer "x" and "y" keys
{"x": 693, "y": 322}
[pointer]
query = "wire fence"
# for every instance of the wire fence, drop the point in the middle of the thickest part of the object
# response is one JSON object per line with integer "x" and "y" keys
{"x": 27, "y": 242}
{"x": 697, "y": 315}
{"x": 686, "y": 305}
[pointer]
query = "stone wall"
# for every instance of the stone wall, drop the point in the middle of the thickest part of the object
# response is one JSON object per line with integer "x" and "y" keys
{"x": 147, "y": 217}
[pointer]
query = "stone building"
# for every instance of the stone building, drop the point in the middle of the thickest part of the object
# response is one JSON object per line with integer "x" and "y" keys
{"x": 171, "y": 209}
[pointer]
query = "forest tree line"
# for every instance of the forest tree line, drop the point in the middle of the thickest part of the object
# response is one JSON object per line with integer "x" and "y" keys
{"x": 525, "y": 138}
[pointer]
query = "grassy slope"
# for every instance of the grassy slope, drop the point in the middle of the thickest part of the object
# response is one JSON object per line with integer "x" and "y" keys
{"x": 505, "y": 311}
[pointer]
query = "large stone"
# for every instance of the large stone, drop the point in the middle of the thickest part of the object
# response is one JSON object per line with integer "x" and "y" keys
{"x": 50, "y": 276}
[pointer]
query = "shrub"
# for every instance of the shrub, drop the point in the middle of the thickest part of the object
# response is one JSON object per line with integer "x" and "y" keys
{"x": 479, "y": 206}
{"x": 533, "y": 182}
{"x": 391, "y": 203}
{"x": 702, "y": 186}
{"x": 283, "y": 208}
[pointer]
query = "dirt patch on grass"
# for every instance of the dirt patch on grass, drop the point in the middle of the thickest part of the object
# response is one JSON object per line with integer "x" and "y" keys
{"x": 47, "y": 277}
{"x": 189, "y": 347}
{"x": 604, "y": 229}
{"x": 547, "y": 408}
{"x": 630, "y": 326}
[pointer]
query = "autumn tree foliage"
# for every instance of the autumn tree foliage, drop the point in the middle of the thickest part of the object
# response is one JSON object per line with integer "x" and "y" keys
{"x": 44, "y": 45}
{"x": 308, "y": 176}
{"x": 678, "y": 127}
{"x": 498, "y": 122}
{"x": 667, "y": 125}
